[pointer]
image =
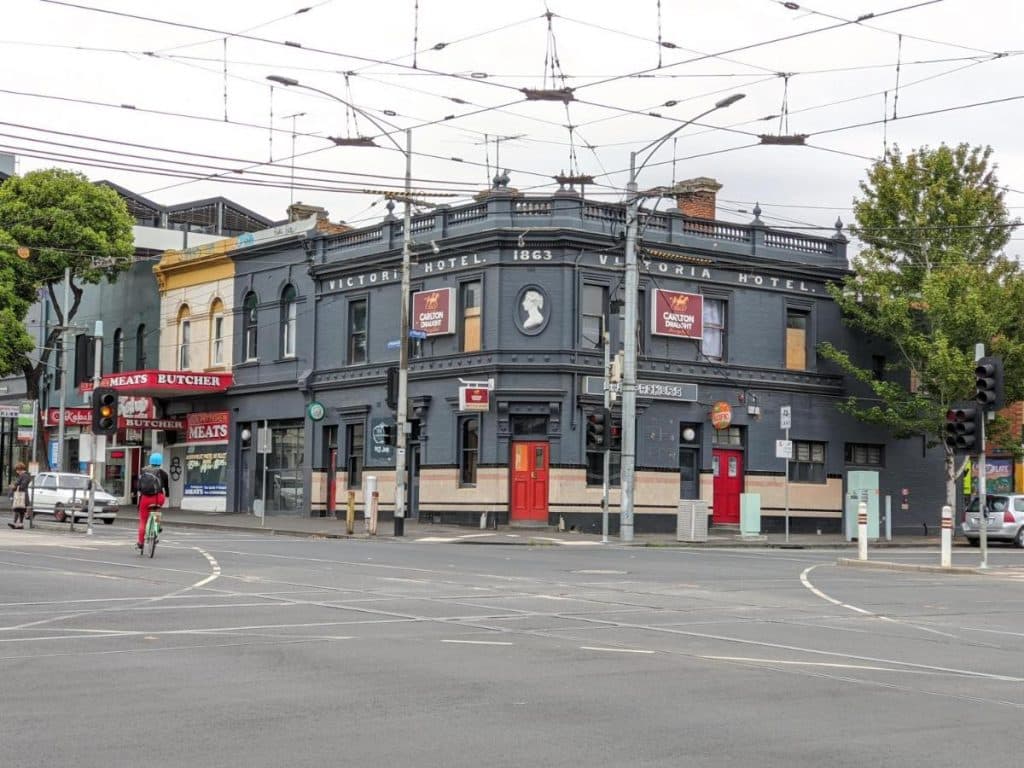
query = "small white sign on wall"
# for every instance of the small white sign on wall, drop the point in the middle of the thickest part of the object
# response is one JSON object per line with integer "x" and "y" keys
{"x": 784, "y": 449}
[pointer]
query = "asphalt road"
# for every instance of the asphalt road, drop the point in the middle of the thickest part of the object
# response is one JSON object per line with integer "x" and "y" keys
{"x": 252, "y": 650}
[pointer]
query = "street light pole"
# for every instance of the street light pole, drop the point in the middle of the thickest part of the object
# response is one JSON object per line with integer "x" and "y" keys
{"x": 628, "y": 458}
{"x": 401, "y": 489}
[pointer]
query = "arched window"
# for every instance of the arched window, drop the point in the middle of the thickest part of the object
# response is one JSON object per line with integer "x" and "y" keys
{"x": 184, "y": 338}
{"x": 249, "y": 326}
{"x": 118, "y": 362}
{"x": 140, "y": 348}
{"x": 288, "y": 321}
{"x": 217, "y": 333}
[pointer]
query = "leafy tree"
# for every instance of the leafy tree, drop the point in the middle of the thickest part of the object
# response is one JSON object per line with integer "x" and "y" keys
{"x": 931, "y": 281}
{"x": 66, "y": 223}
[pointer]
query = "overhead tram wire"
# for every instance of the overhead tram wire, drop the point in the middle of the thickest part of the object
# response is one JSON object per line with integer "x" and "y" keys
{"x": 282, "y": 43}
{"x": 750, "y": 46}
{"x": 118, "y": 142}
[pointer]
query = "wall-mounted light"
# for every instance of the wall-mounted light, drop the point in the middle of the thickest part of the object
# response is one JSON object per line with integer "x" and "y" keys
{"x": 246, "y": 435}
{"x": 689, "y": 434}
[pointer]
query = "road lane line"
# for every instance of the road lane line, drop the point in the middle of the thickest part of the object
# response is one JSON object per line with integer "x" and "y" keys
{"x": 477, "y": 642}
{"x": 614, "y": 650}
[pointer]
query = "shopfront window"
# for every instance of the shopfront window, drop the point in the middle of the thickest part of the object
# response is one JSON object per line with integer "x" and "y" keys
{"x": 206, "y": 470}
{"x": 469, "y": 450}
{"x": 355, "y": 450}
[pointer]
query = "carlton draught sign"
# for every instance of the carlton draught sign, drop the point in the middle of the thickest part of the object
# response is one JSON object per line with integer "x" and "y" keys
{"x": 677, "y": 314}
{"x": 432, "y": 311}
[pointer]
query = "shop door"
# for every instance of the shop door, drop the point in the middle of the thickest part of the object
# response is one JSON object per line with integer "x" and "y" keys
{"x": 529, "y": 483}
{"x": 332, "y": 471}
{"x": 413, "y": 511}
{"x": 689, "y": 477}
{"x": 727, "y": 467}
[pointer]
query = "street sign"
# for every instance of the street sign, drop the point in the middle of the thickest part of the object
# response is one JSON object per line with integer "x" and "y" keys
{"x": 394, "y": 344}
{"x": 263, "y": 444}
{"x": 784, "y": 449}
{"x": 785, "y": 417}
{"x": 417, "y": 334}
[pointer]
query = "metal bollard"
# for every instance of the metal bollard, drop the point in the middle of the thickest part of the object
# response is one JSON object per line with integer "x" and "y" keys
{"x": 372, "y": 498}
{"x": 862, "y": 531}
{"x": 947, "y": 536}
{"x": 350, "y": 514}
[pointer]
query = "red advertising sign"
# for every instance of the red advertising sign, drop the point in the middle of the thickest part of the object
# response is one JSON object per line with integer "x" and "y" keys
{"x": 721, "y": 415}
{"x": 677, "y": 314}
{"x": 432, "y": 311}
{"x": 474, "y": 399}
{"x": 162, "y": 383}
{"x": 206, "y": 427}
{"x": 82, "y": 417}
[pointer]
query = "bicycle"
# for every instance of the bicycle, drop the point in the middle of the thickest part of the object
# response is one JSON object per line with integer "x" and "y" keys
{"x": 152, "y": 532}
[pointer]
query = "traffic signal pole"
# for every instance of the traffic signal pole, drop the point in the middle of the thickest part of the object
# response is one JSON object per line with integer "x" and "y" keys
{"x": 97, "y": 462}
{"x": 606, "y": 472}
{"x": 982, "y": 513}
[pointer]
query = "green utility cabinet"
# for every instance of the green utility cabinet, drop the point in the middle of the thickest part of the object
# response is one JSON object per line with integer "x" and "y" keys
{"x": 861, "y": 485}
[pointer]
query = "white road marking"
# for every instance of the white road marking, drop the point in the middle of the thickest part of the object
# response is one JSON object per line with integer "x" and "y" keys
{"x": 477, "y": 642}
{"x": 614, "y": 650}
{"x": 832, "y": 665}
{"x": 807, "y": 583}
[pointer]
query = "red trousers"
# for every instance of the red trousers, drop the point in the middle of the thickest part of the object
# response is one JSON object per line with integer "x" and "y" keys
{"x": 145, "y": 502}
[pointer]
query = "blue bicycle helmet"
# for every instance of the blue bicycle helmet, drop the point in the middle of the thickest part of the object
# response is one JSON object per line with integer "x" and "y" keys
{"x": 156, "y": 459}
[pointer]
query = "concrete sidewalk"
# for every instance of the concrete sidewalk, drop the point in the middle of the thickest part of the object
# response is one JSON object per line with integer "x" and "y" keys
{"x": 417, "y": 530}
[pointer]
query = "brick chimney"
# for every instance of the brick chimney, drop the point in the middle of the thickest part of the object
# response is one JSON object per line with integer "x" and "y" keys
{"x": 696, "y": 197}
{"x": 300, "y": 210}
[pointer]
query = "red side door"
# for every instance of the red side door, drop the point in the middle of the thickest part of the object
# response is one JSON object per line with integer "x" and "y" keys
{"x": 727, "y": 468}
{"x": 529, "y": 470}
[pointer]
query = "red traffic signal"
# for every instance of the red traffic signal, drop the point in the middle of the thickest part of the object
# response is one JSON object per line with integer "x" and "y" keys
{"x": 961, "y": 424}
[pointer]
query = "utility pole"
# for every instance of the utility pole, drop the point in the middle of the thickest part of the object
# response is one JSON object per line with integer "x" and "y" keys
{"x": 607, "y": 458}
{"x": 628, "y": 467}
{"x": 403, "y": 349}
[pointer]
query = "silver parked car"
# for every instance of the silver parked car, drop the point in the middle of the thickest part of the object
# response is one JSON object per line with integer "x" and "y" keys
{"x": 1005, "y": 515}
{"x": 63, "y": 494}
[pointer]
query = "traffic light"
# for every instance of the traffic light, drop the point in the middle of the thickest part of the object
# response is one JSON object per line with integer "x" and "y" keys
{"x": 615, "y": 434}
{"x": 598, "y": 422}
{"x": 391, "y": 394}
{"x": 988, "y": 377}
{"x": 960, "y": 428}
{"x": 387, "y": 433}
{"x": 104, "y": 411}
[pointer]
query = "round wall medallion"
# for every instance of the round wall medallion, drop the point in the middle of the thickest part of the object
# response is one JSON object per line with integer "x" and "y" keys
{"x": 532, "y": 310}
{"x": 316, "y": 410}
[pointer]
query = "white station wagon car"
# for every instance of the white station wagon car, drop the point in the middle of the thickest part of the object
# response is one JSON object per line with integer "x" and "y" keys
{"x": 63, "y": 494}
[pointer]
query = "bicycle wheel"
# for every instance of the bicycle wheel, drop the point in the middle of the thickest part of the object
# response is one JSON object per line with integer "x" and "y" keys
{"x": 150, "y": 542}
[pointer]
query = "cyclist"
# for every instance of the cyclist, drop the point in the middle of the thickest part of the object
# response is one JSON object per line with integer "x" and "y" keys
{"x": 153, "y": 485}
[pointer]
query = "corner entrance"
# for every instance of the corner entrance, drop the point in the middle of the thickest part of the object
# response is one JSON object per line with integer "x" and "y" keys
{"x": 727, "y": 469}
{"x": 529, "y": 476}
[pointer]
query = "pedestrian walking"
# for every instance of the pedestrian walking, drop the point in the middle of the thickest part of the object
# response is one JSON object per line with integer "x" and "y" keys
{"x": 19, "y": 494}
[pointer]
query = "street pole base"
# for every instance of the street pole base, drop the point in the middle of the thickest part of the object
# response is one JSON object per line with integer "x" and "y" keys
{"x": 399, "y": 526}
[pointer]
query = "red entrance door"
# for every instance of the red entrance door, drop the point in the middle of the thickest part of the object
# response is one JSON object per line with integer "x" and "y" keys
{"x": 529, "y": 483}
{"x": 727, "y": 467}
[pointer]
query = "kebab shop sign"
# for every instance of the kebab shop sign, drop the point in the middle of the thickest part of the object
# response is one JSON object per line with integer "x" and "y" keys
{"x": 209, "y": 427}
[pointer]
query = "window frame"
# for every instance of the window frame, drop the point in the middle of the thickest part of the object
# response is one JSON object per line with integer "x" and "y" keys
{"x": 469, "y": 456}
{"x": 352, "y": 335}
{"x": 250, "y": 327}
{"x": 585, "y": 315}
{"x": 722, "y": 328}
{"x": 216, "y": 333}
{"x": 184, "y": 333}
{"x": 117, "y": 352}
{"x": 355, "y": 460}
{"x": 850, "y": 451}
{"x": 140, "y": 347}
{"x": 289, "y": 321}
{"x": 809, "y": 471}
{"x": 804, "y": 313}
{"x": 465, "y": 315}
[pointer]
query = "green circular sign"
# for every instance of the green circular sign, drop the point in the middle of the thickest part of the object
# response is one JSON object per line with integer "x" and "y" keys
{"x": 316, "y": 410}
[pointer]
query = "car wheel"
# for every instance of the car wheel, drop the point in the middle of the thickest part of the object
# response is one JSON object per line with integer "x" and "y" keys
{"x": 59, "y": 514}
{"x": 974, "y": 542}
{"x": 1018, "y": 540}
{"x": 108, "y": 520}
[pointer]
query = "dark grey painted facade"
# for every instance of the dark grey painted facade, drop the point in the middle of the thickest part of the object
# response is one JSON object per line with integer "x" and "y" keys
{"x": 554, "y": 246}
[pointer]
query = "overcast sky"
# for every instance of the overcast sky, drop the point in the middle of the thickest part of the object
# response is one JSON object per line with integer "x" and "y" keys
{"x": 184, "y": 81}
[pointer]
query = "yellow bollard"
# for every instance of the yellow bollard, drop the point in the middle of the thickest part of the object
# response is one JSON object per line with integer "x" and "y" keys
{"x": 350, "y": 514}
